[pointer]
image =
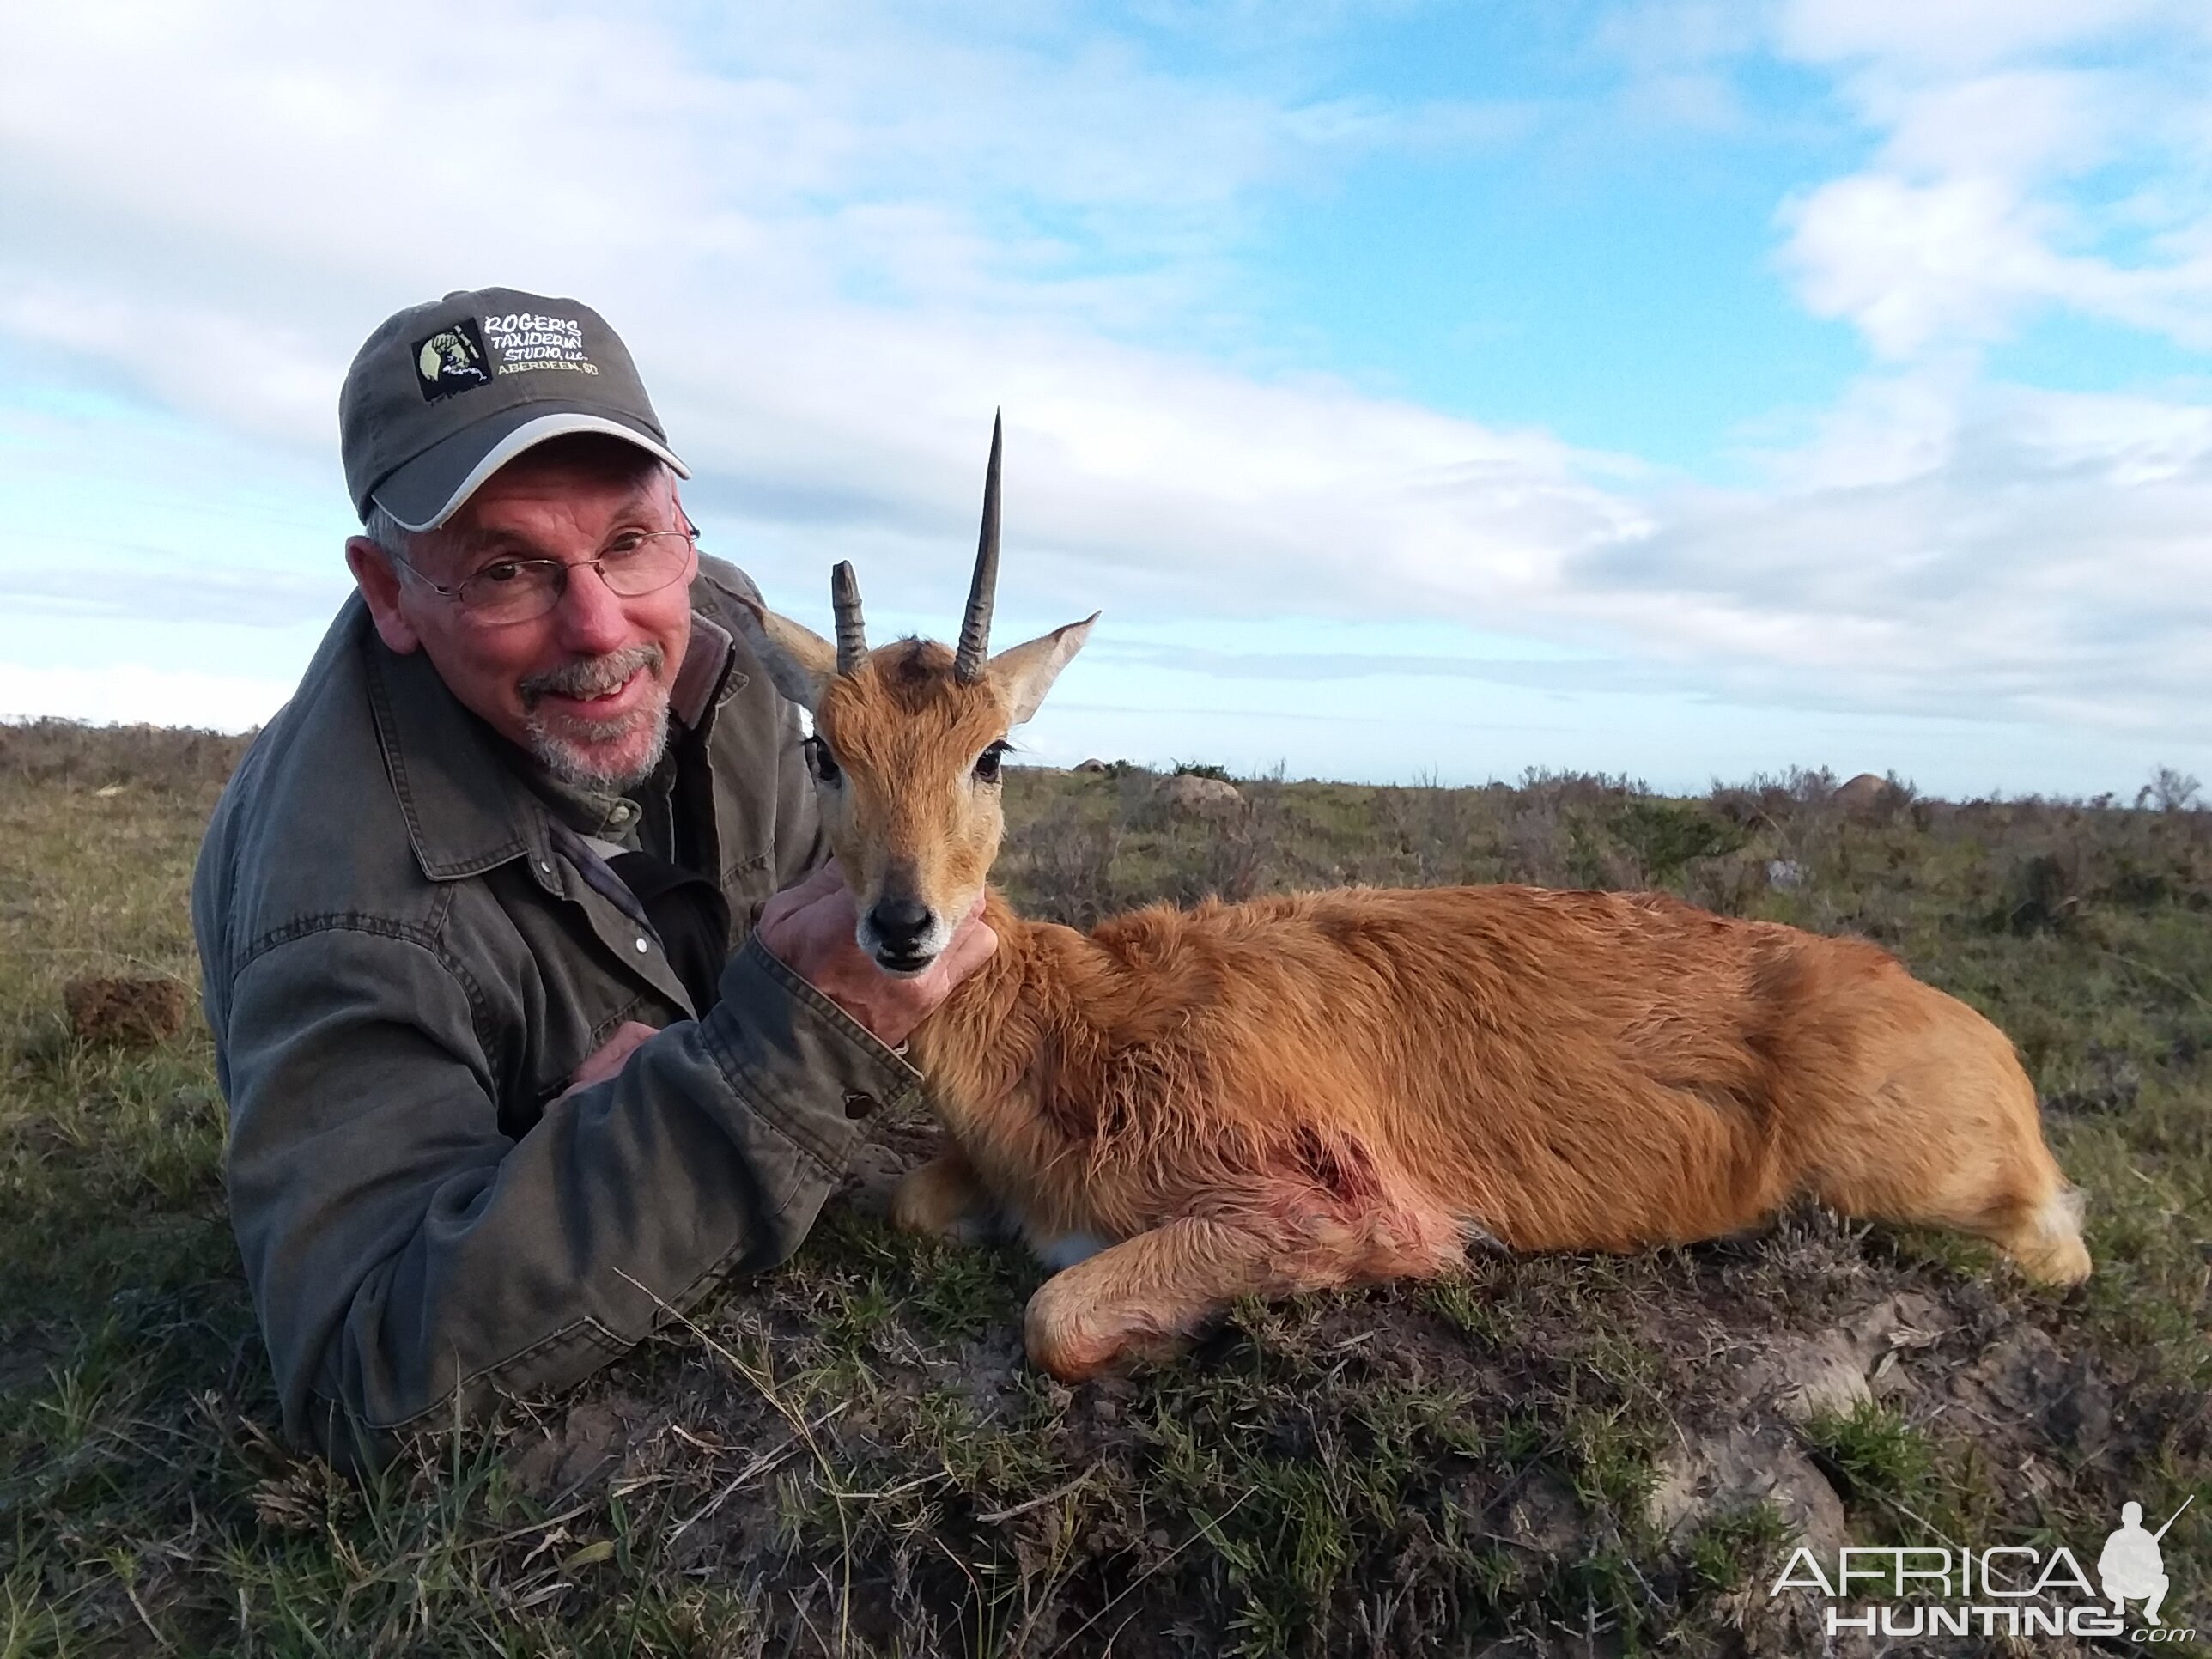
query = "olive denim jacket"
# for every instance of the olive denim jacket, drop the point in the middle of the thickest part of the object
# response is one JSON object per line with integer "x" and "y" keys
{"x": 406, "y": 956}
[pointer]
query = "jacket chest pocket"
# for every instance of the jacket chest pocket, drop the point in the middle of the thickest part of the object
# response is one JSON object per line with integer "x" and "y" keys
{"x": 575, "y": 995}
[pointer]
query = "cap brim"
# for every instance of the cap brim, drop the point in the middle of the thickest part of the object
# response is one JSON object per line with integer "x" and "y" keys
{"x": 433, "y": 486}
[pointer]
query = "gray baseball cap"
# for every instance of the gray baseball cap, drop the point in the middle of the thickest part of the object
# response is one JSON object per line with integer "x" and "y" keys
{"x": 443, "y": 395}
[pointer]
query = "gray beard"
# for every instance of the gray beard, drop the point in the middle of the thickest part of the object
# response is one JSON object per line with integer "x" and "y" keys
{"x": 574, "y": 765}
{"x": 566, "y": 756}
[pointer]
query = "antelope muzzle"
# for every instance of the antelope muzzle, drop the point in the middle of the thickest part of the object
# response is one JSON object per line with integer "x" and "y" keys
{"x": 902, "y": 933}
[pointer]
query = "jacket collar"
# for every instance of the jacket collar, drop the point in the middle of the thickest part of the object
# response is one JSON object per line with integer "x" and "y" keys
{"x": 467, "y": 807}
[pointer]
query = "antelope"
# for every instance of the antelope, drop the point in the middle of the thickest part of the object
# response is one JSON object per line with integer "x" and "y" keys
{"x": 1325, "y": 1088}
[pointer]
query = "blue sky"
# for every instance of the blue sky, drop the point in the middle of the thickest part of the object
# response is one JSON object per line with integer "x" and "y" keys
{"x": 1686, "y": 390}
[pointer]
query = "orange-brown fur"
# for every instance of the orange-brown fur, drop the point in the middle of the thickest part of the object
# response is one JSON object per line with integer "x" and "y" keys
{"x": 1332, "y": 1088}
{"x": 923, "y": 831}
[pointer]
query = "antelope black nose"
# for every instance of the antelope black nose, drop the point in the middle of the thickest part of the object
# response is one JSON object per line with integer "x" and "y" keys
{"x": 900, "y": 923}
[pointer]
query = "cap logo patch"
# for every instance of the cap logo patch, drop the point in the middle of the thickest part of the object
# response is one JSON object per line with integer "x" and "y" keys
{"x": 525, "y": 340}
{"x": 451, "y": 360}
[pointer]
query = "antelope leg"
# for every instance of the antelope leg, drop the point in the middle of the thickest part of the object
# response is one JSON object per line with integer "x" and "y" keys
{"x": 1145, "y": 1295}
{"x": 946, "y": 1197}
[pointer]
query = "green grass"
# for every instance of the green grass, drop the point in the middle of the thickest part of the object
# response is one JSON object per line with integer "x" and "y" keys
{"x": 850, "y": 1455}
{"x": 1876, "y": 1456}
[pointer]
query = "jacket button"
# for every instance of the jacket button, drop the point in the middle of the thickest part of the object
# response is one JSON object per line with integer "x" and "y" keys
{"x": 858, "y": 1105}
{"x": 643, "y": 947}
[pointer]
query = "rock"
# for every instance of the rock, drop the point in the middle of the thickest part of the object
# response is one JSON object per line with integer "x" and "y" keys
{"x": 1784, "y": 873}
{"x": 1868, "y": 797}
{"x": 1199, "y": 797}
{"x": 1836, "y": 1371}
{"x": 1709, "y": 1476}
{"x": 1093, "y": 765}
{"x": 135, "y": 1012}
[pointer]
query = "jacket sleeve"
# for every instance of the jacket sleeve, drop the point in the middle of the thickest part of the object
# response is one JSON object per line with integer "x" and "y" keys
{"x": 409, "y": 1262}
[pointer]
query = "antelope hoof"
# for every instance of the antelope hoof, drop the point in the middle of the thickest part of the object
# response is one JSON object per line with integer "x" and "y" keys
{"x": 2047, "y": 1248}
{"x": 2057, "y": 1264}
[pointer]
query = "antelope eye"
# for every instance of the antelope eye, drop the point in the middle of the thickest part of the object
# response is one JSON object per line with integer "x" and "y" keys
{"x": 820, "y": 761}
{"x": 987, "y": 763}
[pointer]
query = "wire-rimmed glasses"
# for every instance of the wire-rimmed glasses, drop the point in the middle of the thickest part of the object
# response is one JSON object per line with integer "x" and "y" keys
{"x": 636, "y": 562}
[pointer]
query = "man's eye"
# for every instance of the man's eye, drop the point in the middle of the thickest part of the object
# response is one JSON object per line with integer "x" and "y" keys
{"x": 625, "y": 544}
{"x": 500, "y": 572}
{"x": 987, "y": 763}
{"x": 820, "y": 761}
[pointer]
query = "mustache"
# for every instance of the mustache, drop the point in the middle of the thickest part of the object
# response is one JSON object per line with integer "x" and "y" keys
{"x": 590, "y": 676}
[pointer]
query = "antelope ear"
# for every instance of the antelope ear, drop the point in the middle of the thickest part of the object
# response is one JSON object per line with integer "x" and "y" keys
{"x": 1023, "y": 673}
{"x": 798, "y": 660}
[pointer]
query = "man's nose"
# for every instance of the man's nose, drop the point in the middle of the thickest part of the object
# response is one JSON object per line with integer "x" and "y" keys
{"x": 591, "y": 614}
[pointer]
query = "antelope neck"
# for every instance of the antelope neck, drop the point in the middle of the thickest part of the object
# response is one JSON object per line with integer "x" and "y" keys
{"x": 987, "y": 1036}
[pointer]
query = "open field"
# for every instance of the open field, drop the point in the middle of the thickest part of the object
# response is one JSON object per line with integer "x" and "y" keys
{"x": 1563, "y": 1453}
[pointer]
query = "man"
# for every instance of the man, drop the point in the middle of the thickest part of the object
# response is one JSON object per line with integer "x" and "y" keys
{"x": 510, "y": 1070}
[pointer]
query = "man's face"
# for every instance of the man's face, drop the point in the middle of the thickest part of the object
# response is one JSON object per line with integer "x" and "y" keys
{"x": 585, "y": 687}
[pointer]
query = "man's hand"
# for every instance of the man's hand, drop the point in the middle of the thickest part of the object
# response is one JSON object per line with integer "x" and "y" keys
{"x": 604, "y": 1061}
{"x": 809, "y": 928}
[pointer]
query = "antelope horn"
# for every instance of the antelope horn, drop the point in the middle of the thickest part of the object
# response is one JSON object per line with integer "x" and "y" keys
{"x": 845, "y": 603}
{"x": 975, "y": 627}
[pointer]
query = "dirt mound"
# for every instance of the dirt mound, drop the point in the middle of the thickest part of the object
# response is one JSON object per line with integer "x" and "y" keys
{"x": 124, "y": 1011}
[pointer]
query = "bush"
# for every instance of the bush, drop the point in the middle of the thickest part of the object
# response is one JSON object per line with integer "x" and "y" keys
{"x": 173, "y": 759}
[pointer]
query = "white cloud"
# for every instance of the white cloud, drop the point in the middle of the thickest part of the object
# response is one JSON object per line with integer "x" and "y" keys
{"x": 1680, "y": 55}
{"x": 2015, "y": 123}
{"x": 2014, "y": 175}
{"x": 1955, "y": 35}
{"x": 252, "y": 155}
{"x": 1914, "y": 265}
{"x": 837, "y": 238}
{"x": 2042, "y": 554}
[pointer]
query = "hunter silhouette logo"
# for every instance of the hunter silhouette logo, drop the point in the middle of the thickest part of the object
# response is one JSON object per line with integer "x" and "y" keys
{"x": 2131, "y": 1568}
{"x": 450, "y": 361}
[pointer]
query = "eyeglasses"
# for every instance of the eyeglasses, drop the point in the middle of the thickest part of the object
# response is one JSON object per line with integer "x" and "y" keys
{"x": 636, "y": 563}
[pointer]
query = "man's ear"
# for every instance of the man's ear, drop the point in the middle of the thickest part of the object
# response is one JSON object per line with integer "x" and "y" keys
{"x": 1023, "y": 673}
{"x": 380, "y": 586}
{"x": 798, "y": 660}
